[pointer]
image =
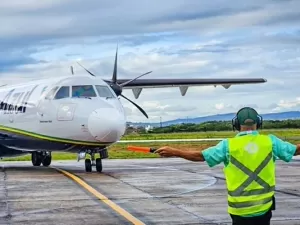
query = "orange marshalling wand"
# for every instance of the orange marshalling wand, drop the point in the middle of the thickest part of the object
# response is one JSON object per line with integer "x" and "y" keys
{"x": 141, "y": 149}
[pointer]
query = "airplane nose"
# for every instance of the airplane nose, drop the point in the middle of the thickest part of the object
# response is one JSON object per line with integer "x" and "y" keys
{"x": 107, "y": 124}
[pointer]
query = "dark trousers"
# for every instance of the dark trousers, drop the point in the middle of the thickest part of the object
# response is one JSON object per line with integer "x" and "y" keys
{"x": 258, "y": 220}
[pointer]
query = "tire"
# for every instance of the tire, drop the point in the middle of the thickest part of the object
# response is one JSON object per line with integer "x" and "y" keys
{"x": 47, "y": 161}
{"x": 99, "y": 165}
{"x": 88, "y": 165}
{"x": 36, "y": 159}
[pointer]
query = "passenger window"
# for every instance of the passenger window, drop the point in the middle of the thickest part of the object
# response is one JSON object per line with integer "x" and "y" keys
{"x": 63, "y": 92}
{"x": 51, "y": 93}
{"x": 83, "y": 91}
{"x": 104, "y": 91}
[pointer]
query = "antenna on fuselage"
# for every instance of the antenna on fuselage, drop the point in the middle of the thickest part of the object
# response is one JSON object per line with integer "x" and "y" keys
{"x": 72, "y": 71}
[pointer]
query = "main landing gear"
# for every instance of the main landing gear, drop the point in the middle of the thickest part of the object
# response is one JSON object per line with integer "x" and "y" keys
{"x": 89, "y": 163}
{"x": 38, "y": 158}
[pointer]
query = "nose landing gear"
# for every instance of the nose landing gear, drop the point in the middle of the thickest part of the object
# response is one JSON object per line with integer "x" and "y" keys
{"x": 89, "y": 163}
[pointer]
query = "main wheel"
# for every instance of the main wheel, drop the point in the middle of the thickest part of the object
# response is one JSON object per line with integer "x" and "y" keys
{"x": 47, "y": 160}
{"x": 88, "y": 165}
{"x": 36, "y": 158}
{"x": 99, "y": 165}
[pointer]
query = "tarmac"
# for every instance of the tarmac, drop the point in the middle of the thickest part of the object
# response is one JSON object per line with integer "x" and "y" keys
{"x": 140, "y": 191}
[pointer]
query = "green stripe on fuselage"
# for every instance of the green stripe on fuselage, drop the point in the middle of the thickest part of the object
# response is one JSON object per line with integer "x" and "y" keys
{"x": 49, "y": 138}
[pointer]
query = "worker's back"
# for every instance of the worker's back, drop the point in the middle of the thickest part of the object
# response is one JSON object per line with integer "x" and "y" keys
{"x": 249, "y": 160}
{"x": 250, "y": 174}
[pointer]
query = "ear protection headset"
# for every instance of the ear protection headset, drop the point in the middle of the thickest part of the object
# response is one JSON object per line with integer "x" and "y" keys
{"x": 235, "y": 122}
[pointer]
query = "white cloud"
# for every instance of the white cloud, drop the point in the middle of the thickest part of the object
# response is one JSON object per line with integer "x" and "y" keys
{"x": 219, "y": 106}
{"x": 286, "y": 104}
{"x": 208, "y": 39}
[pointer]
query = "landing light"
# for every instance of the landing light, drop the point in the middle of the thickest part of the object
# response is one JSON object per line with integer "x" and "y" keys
{"x": 80, "y": 156}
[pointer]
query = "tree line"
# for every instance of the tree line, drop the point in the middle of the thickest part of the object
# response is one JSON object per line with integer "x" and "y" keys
{"x": 223, "y": 126}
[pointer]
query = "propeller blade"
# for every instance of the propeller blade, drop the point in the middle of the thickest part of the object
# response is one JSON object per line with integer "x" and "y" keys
{"x": 114, "y": 77}
{"x": 72, "y": 71}
{"x": 136, "y": 105}
{"x": 125, "y": 83}
{"x": 86, "y": 69}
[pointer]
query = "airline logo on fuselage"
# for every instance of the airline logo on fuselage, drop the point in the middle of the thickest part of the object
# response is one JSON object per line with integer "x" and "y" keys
{"x": 18, "y": 101}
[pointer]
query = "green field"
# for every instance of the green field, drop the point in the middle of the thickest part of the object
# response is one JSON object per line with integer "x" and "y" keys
{"x": 283, "y": 133}
{"x": 118, "y": 151}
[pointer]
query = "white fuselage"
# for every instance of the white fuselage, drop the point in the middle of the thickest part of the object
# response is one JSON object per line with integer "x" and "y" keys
{"x": 75, "y": 109}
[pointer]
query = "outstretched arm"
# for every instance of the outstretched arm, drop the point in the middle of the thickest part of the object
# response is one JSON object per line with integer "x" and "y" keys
{"x": 213, "y": 155}
{"x": 297, "y": 152}
{"x": 186, "y": 154}
{"x": 284, "y": 150}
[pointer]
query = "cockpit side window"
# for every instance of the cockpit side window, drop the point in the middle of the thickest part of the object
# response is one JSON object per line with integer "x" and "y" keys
{"x": 83, "y": 91}
{"x": 63, "y": 92}
{"x": 51, "y": 93}
{"x": 104, "y": 91}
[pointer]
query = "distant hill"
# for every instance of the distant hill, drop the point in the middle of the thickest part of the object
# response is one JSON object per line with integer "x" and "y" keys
{"x": 222, "y": 117}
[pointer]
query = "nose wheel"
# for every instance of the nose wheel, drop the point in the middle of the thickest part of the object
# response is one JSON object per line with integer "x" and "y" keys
{"x": 89, "y": 163}
{"x": 99, "y": 165}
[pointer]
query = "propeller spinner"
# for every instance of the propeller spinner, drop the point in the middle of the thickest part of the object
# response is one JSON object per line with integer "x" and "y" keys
{"x": 118, "y": 88}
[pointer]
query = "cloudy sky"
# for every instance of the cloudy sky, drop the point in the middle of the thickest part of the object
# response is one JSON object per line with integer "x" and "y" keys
{"x": 174, "y": 38}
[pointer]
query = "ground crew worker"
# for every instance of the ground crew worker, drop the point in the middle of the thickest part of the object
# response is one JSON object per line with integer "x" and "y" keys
{"x": 249, "y": 167}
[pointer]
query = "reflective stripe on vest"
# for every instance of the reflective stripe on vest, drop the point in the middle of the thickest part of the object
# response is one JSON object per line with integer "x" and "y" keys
{"x": 253, "y": 176}
{"x": 250, "y": 190}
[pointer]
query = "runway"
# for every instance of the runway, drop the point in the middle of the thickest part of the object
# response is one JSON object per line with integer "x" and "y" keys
{"x": 142, "y": 191}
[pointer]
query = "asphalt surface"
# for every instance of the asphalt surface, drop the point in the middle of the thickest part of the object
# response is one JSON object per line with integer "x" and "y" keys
{"x": 153, "y": 191}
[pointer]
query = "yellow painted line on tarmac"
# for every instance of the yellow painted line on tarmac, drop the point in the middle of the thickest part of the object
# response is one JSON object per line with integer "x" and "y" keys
{"x": 103, "y": 198}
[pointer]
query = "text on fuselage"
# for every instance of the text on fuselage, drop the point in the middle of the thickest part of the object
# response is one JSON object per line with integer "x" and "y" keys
{"x": 18, "y": 101}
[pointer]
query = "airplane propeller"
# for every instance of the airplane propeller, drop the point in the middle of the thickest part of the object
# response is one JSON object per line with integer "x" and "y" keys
{"x": 118, "y": 88}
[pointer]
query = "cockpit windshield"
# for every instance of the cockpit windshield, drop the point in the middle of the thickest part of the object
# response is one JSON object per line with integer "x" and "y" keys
{"x": 104, "y": 91}
{"x": 51, "y": 93}
{"x": 83, "y": 91}
{"x": 63, "y": 92}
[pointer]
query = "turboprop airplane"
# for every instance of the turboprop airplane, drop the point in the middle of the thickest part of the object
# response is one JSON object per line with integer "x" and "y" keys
{"x": 78, "y": 114}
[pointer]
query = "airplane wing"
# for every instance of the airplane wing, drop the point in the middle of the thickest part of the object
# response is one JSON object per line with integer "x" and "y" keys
{"x": 137, "y": 84}
{"x": 157, "y": 83}
{"x": 183, "y": 84}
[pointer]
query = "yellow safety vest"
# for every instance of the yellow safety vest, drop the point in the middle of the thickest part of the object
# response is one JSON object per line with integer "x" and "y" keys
{"x": 250, "y": 174}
